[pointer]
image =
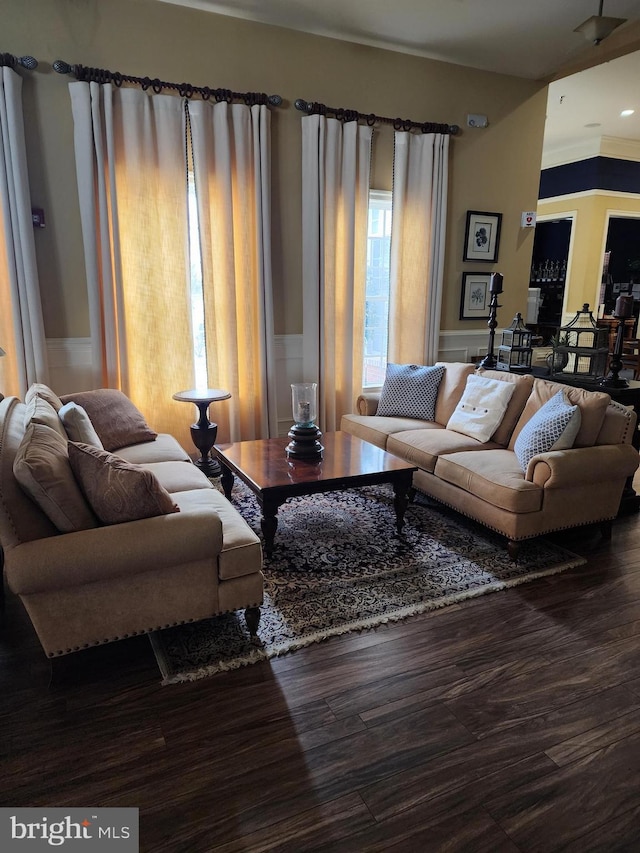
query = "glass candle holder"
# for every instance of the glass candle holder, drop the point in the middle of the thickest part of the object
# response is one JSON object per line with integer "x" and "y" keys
{"x": 304, "y": 397}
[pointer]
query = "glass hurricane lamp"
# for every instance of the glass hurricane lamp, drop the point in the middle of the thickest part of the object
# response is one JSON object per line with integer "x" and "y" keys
{"x": 304, "y": 434}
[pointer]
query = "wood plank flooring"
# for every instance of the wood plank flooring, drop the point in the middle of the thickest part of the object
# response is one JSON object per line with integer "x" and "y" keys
{"x": 507, "y": 723}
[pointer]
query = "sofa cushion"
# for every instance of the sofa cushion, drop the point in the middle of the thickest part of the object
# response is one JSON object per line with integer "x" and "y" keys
{"x": 116, "y": 420}
{"x": 523, "y": 386}
{"x": 42, "y": 468}
{"x": 592, "y": 404}
{"x": 451, "y": 388}
{"x": 39, "y": 411}
{"x": 78, "y": 426}
{"x": 377, "y": 430}
{"x": 117, "y": 490}
{"x": 481, "y": 407}
{"x": 553, "y": 427}
{"x": 178, "y": 476}
{"x": 43, "y": 391}
{"x": 165, "y": 448}
{"x": 422, "y": 447}
{"x": 241, "y": 552}
{"x": 494, "y": 476}
{"x": 410, "y": 391}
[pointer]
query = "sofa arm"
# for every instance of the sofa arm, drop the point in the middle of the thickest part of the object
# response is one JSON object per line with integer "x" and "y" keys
{"x": 583, "y": 465}
{"x": 135, "y": 547}
{"x": 367, "y": 403}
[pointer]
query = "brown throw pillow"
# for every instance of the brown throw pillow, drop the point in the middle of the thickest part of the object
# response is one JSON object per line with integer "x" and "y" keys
{"x": 117, "y": 490}
{"x": 115, "y": 419}
{"x": 39, "y": 411}
{"x": 42, "y": 468}
{"x": 43, "y": 391}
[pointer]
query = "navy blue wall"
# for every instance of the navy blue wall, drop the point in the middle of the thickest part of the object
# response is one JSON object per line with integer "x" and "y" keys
{"x": 596, "y": 173}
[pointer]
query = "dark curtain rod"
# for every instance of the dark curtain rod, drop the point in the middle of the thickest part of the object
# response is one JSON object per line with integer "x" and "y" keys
{"x": 11, "y": 61}
{"x": 342, "y": 114}
{"x": 185, "y": 90}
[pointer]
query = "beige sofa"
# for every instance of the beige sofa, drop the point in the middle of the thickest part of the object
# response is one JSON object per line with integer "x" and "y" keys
{"x": 90, "y": 586}
{"x": 560, "y": 489}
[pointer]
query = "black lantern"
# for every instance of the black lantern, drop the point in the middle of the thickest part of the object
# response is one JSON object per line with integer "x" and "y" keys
{"x": 514, "y": 353}
{"x": 581, "y": 347}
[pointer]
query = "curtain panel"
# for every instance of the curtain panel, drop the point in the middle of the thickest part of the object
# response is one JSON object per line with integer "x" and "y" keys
{"x": 418, "y": 231}
{"x": 231, "y": 165}
{"x": 336, "y": 161}
{"x": 21, "y": 323}
{"x": 131, "y": 171}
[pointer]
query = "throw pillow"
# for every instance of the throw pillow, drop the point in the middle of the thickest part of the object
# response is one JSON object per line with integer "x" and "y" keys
{"x": 39, "y": 411}
{"x": 553, "y": 427}
{"x": 481, "y": 407}
{"x": 115, "y": 419}
{"x": 42, "y": 468}
{"x": 410, "y": 391}
{"x": 117, "y": 490}
{"x": 43, "y": 391}
{"x": 78, "y": 425}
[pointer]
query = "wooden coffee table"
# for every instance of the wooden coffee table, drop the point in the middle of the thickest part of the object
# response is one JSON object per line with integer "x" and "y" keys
{"x": 347, "y": 462}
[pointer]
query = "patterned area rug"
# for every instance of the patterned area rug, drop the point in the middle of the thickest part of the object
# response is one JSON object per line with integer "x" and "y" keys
{"x": 338, "y": 567}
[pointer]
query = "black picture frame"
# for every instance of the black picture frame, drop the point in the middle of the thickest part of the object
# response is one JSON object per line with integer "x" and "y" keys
{"x": 482, "y": 236}
{"x": 475, "y": 296}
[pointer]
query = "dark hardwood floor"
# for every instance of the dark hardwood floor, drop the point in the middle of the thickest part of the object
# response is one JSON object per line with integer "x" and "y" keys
{"x": 510, "y": 722}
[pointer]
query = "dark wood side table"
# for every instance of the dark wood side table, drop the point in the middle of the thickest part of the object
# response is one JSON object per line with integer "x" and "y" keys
{"x": 204, "y": 433}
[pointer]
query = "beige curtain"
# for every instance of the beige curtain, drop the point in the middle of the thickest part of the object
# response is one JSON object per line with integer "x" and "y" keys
{"x": 231, "y": 164}
{"x": 21, "y": 323}
{"x": 418, "y": 230}
{"x": 335, "y": 200}
{"x": 131, "y": 170}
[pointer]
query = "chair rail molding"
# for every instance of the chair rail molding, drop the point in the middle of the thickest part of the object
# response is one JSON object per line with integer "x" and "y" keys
{"x": 70, "y": 363}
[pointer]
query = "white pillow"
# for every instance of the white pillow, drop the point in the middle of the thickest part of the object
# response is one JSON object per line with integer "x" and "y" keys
{"x": 78, "y": 425}
{"x": 553, "y": 427}
{"x": 481, "y": 407}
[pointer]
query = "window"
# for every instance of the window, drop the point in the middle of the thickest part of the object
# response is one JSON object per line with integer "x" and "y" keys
{"x": 376, "y": 323}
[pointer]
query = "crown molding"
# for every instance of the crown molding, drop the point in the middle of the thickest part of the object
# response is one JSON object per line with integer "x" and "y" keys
{"x": 600, "y": 146}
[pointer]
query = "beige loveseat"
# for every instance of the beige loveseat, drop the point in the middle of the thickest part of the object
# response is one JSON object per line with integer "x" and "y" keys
{"x": 84, "y": 587}
{"x": 560, "y": 489}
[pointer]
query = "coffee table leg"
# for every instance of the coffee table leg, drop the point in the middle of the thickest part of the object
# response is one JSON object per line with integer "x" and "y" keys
{"x": 227, "y": 481}
{"x": 401, "y": 487}
{"x": 269, "y": 524}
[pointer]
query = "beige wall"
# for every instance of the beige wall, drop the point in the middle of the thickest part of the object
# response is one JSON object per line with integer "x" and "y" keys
{"x": 496, "y": 169}
{"x": 590, "y": 212}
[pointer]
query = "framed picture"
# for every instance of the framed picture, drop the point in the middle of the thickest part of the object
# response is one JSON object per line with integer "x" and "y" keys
{"x": 482, "y": 236}
{"x": 475, "y": 296}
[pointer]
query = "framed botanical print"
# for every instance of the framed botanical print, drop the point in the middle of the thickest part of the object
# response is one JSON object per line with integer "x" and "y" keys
{"x": 482, "y": 236}
{"x": 475, "y": 296}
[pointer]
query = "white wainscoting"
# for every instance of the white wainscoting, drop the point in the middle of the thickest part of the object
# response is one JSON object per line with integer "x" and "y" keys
{"x": 70, "y": 364}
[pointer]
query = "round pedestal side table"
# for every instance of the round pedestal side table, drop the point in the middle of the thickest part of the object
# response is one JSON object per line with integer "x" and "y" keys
{"x": 203, "y": 433}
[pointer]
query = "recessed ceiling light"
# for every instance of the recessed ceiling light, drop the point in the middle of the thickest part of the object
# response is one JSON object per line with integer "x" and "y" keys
{"x": 627, "y": 112}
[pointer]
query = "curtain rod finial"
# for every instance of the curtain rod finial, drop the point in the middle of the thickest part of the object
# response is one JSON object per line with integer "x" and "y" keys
{"x": 302, "y": 105}
{"x": 62, "y": 67}
{"x": 28, "y": 62}
{"x": 275, "y": 100}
